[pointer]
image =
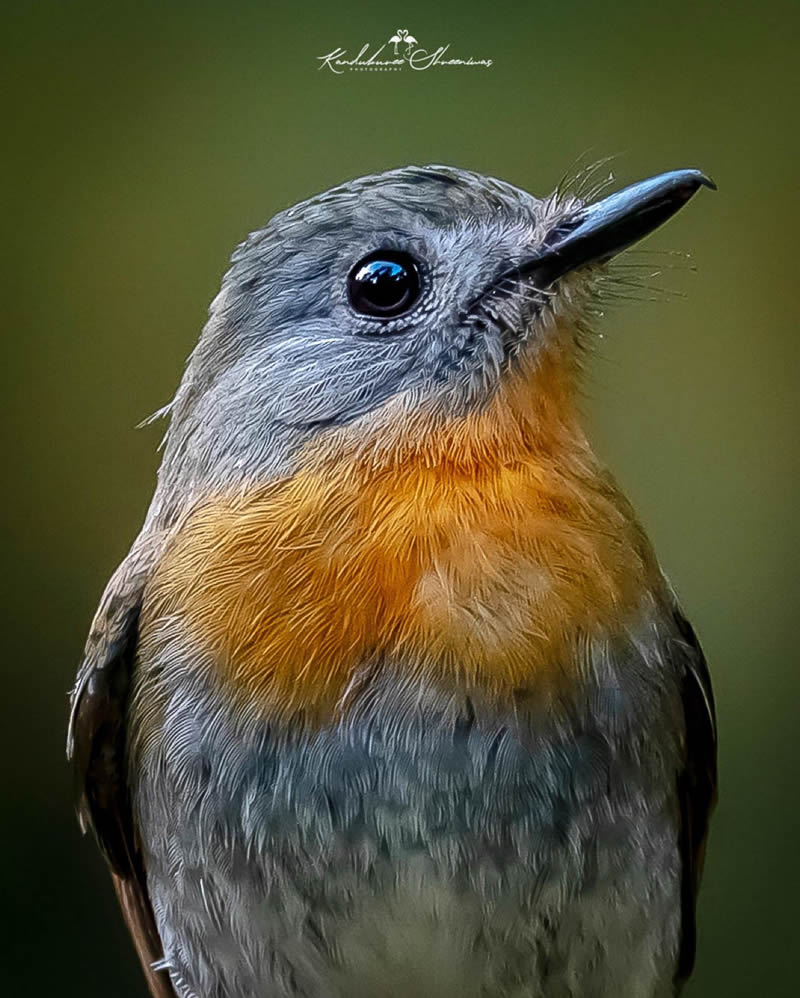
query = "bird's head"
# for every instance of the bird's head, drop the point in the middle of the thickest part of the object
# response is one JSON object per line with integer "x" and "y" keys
{"x": 394, "y": 305}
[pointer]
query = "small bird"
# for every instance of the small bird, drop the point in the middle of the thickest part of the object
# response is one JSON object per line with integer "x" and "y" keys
{"x": 390, "y": 697}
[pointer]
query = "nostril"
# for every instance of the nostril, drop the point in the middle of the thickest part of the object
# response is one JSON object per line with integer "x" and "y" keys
{"x": 563, "y": 229}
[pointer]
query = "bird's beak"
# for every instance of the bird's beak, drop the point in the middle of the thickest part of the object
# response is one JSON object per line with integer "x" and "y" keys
{"x": 600, "y": 231}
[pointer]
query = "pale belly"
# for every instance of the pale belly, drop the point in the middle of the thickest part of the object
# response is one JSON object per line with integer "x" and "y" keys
{"x": 424, "y": 847}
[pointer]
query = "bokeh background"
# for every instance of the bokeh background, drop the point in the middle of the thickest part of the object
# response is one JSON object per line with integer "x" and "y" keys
{"x": 143, "y": 140}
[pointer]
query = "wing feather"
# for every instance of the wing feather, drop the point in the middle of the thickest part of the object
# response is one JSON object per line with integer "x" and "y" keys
{"x": 697, "y": 785}
{"x": 96, "y": 746}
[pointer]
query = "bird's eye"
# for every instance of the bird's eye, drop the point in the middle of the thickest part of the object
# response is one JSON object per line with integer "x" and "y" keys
{"x": 384, "y": 284}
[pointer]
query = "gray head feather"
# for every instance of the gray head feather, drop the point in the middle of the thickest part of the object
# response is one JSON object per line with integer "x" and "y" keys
{"x": 284, "y": 355}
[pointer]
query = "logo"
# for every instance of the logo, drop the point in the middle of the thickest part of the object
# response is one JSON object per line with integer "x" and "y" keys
{"x": 402, "y": 51}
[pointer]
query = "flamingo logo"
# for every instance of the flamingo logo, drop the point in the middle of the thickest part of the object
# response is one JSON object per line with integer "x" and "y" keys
{"x": 402, "y": 37}
{"x": 401, "y": 52}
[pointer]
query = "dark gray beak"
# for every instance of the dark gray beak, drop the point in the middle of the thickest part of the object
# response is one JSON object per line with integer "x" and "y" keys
{"x": 600, "y": 231}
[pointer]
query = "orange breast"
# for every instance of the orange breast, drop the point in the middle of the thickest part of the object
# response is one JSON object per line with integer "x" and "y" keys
{"x": 480, "y": 557}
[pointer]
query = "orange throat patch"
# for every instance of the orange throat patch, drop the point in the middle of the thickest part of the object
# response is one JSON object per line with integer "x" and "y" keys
{"x": 481, "y": 557}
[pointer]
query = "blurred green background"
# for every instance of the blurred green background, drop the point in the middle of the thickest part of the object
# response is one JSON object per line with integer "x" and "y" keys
{"x": 142, "y": 141}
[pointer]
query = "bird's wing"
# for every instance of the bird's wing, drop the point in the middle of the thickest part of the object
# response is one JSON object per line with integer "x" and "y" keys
{"x": 697, "y": 784}
{"x": 96, "y": 747}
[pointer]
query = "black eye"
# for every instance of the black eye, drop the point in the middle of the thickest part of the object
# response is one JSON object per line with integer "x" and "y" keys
{"x": 384, "y": 284}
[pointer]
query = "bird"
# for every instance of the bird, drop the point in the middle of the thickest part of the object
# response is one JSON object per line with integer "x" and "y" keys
{"x": 398, "y": 38}
{"x": 390, "y": 696}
